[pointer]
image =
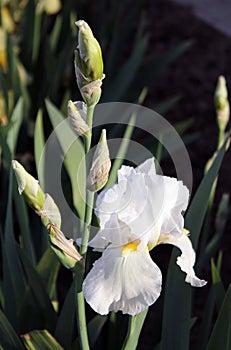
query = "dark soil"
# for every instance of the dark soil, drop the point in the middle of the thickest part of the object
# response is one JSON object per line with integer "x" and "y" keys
{"x": 194, "y": 77}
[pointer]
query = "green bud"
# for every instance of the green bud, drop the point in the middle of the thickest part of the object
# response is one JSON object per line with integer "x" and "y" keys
{"x": 28, "y": 187}
{"x": 222, "y": 103}
{"x": 65, "y": 249}
{"x": 99, "y": 172}
{"x": 50, "y": 212}
{"x": 77, "y": 113}
{"x": 42, "y": 203}
{"x": 88, "y": 64}
{"x": 88, "y": 56}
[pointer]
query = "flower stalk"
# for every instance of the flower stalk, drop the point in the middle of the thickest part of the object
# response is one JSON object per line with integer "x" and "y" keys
{"x": 89, "y": 76}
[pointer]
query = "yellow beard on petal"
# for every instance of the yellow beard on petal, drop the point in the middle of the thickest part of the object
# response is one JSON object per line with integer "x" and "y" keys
{"x": 185, "y": 231}
{"x": 128, "y": 248}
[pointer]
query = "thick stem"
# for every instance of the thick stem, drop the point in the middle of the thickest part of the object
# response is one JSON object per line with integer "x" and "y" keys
{"x": 89, "y": 120}
{"x": 220, "y": 137}
{"x": 80, "y": 302}
{"x": 87, "y": 221}
{"x": 81, "y": 313}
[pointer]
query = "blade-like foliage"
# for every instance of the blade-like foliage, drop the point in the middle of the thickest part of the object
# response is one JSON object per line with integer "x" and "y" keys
{"x": 40, "y": 340}
{"x": 8, "y": 338}
{"x": 177, "y": 307}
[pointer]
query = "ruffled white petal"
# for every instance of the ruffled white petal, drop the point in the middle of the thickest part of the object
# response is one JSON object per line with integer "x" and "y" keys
{"x": 175, "y": 202}
{"x": 128, "y": 283}
{"x": 147, "y": 167}
{"x": 187, "y": 259}
{"x": 147, "y": 203}
{"x": 114, "y": 231}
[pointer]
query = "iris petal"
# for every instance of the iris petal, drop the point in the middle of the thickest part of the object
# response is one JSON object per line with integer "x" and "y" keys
{"x": 187, "y": 259}
{"x": 128, "y": 283}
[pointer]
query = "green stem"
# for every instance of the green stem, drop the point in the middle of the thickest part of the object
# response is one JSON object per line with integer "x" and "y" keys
{"x": 220, "y": 137}
{"x": 81, "y": 313}
{"x": 134, "y": 328}
{"x": 89, "y": 120}
{"x": 208, "y": 217}
{"x": 87, "y": 221}
{"x": 80, "y": 302}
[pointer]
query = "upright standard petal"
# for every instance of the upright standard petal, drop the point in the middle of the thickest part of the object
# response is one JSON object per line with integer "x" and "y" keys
{"x": 187, "y": 259}
{"x": 123, "y": 279}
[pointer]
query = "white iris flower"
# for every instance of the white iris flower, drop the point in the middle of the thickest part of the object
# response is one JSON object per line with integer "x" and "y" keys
{"x": 140, "y": 212}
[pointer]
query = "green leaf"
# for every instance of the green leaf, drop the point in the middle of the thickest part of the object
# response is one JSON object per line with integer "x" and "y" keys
{"x": 9, "y": 340}
{"x": 39, "y": 143}
{"x": 135, "y": 327}
{"x": 15, "y": 121}
{"x": 40, "y": 340}
{"x": 122, "y": 151}
{"x": 55, "y": 34}
{"x": 183, "y": 126}
{"x": 218, "y": 286}
{"x": 221, "y": 334}
{"x": 166, "y": 105}
{"x": 95, "y": 327}
{"x": 66, "y": 320}
{"x": 155, "y": 66}
{"x": 13, "y": 275}
{"x": 23, "y": 220}
{"x": 196, "y": 212}
{"x": 127, "y": 72}
{"x": 177, "y": 306}
{"x": 42, "y": 313}
{"x": 48, "y": 268}
{"x": 206, "y": 319}
{"x": 36, "y": 35}
{"x": 73, "y": 155}
{"x": 177, "y": 309}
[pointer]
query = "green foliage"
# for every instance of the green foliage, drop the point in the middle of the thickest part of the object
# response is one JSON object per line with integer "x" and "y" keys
{"x": 34, "y": 88}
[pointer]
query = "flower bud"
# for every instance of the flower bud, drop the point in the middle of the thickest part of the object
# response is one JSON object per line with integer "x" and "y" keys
{"x": 51, "y": 7}
{"x": 65, "y": 249}
{"x": 29, "y": 187}
{"x": 7, "y": 20}
{"x": 88, "y": 64}
{"x": 222, "y": 103}
{"x": 77, "y": 113}
{"x": 50, "y": 212}
{"x": 99, "y": 172}
{"x": 3, "y": 50}
{"x": 42, "y": 203}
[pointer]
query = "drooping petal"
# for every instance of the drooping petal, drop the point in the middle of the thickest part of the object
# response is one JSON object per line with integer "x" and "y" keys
{"x": 175, "y": 202}
{"x": 187, "y": 259}
{"x": 129, "y": 283}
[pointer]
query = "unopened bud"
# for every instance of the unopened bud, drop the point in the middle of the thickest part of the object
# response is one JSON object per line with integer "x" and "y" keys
{"x": 29, "y": 187}
{"x": 222, "y": 103}
{"x": 88, "y": 64}
{"x": 3, "y": 50}
{"x": 65, "y": 249}
{"x": 7, "y": 19}
{"x": 50, "y": 213}
{"x": 77, "y": 113}
{"x": 51, "y": 7}
{"x": 42, "y": 203}
{"x": 99, "y": 172}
